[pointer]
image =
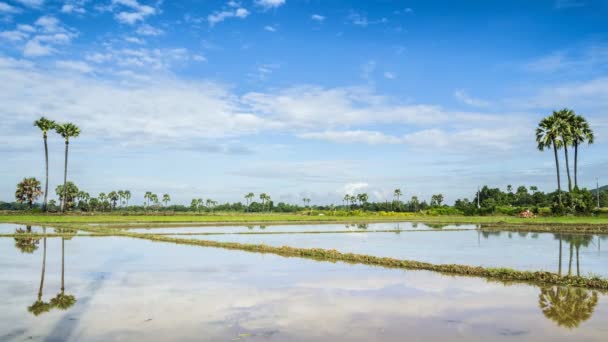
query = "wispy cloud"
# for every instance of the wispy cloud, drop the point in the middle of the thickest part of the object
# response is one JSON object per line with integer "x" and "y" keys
{"x": 268, "y": 4}
{"x": 218, "y": 17}
{"x": 148, "y": 30}
{"x": 74, "y": 6}
{"x": 31, "y": 3}
{"x": 131, "y": 11}
{"x": 8, "y": 9}
{"x": 465, "y": 98}
{"x": 317, "y": 17}
{"x": 585, "y": 58}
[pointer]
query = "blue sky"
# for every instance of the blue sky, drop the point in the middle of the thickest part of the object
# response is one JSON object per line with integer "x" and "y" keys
{"x": 315, "y": 99}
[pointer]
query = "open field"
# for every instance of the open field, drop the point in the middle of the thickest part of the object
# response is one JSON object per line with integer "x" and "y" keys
{"x": 272, "y": 218}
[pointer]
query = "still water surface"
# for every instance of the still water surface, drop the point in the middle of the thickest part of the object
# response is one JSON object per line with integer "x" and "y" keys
{"x": 582, "y": 254}
{"x": 131, "y": 289}
{"x": 304, "y": 228}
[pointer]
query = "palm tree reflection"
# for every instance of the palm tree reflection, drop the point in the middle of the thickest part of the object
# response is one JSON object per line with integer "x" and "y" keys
{"x": 25, "y": 240}
{"x": 568, "y": 307}
{"x": 39, "y": 306}
{"x": 28, "y": 244}
{"x": 62, "y": 300}
{"x": 575, "y": 243}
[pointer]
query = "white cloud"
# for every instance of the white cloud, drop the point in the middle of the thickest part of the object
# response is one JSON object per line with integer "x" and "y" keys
{"x": 218, "y": 17}
{"x": 134, "y": 40}
{"x": 6, "y": 8}
{"x": 579, "y": 59}
{"x": 241, "y": 13}
{"x": 350, "y": 137}
{"x": 310, "y": 107}
{"x": 457, "y": 140}
{"x": 74, "y": 6}
{"x": 389, "y": 75}
{"x": 77, "y": 66}
{"x": 159, "y": 109}
{"x": 588, "y": 95}
{"x": 31, "y": 3}
{"x": 136, "y": 13}
{"x": 14, "y": 36}
{"x": 48, "y": 24}
{"x": 148, "y": 30}
{"x": 267, "y": 4}
{"x": 353, "y": 188}
{"x": 270, "y": 28}
{"x": 317, "y": 17}
{"x": 463, "y": 97}
{"x": 98, "y": 57}
{"x": 358, "y": 19}
{"x": 33, "y": 48}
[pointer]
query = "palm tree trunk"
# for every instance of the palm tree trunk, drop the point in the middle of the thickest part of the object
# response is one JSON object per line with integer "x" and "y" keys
{"x": 65, "y": 177}
{"x": 576, "y": 165}
{"x": 570, "y": 262}
{"x": 568, "y": 168}
{"x": 560, "y": 256}
{"x": 559, "y": 182}
{"x": 43, "y": 268}
{"x": 46, "y": 183}
{"x": 578, "y": 268}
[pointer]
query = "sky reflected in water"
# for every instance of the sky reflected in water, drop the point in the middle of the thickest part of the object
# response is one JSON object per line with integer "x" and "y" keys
{"x": 523, "y": 251}
{"x": 130, "y": 289}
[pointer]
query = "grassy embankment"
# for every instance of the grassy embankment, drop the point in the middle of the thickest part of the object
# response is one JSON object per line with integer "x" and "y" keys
{"x": 272, "y": 218}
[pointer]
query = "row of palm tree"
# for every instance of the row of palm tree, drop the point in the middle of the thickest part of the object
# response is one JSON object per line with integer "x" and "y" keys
{"x": 265, "y": 198}
{"x": 354, "y": 199}
{"x": 564, "y": 129}
{"x": 66, "y": 131}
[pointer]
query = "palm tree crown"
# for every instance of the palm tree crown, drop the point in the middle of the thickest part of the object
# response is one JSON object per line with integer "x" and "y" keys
{"x": 45, "y": 125}
{"x": 67, "y": 130}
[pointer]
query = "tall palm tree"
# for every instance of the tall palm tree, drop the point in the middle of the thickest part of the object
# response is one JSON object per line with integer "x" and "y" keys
{"x": 148, "y": 197}
{"x": 548, "y": 136}
{"x": 248, "y": 199}
{"x": 263, "y": 199}
{"x": 45, "y": 125}
{"x": 67, "y": 131}
{"x": 166, "y": 199}
{"x": 127, "y": 196}
{"x": 581, "y": 132}
{"x": 113, "y": 197}
{"x": 397, "y": 193}
{"x": 565, "y": 118}
{"x": 121, "y": 196}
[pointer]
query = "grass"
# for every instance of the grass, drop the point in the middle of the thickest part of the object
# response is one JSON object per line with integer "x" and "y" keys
{"x": 277, "y": 218}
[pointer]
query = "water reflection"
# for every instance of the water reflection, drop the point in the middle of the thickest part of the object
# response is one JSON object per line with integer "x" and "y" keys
{"x": 229, "y": 295}
{"x": 25, "y": 240}
{"x": 567, "y": 306}
{"x": 61, "y": 301}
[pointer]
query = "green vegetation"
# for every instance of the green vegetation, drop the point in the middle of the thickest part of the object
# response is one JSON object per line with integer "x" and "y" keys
{"x": 227, "y": 218}
{"x": 28, "y": 190}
